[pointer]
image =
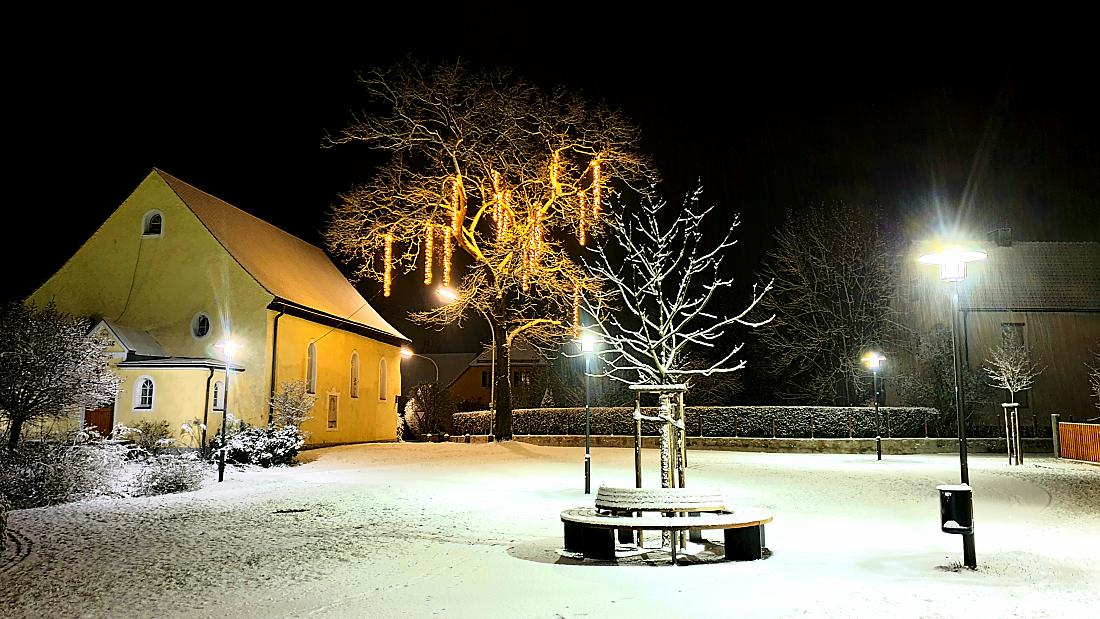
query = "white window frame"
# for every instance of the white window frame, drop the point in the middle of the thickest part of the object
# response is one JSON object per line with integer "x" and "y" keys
{"x": 383, "y": 379}
{"x": 138, "y": 395}
{"x": 145, "y": 224}
{"x": 354, "y": 374}
{"x": 311, "y": 368}
{"x": 332, "y": 422}
{"x": 219, "y": 396}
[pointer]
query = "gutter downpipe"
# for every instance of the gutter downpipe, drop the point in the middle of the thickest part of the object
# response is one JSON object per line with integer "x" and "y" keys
{"x": 274, "y": 358}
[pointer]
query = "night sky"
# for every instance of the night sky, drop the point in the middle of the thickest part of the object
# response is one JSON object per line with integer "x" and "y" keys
{"x": 1002, "y": 131}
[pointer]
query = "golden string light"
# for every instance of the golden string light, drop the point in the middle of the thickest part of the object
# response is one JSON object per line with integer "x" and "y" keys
{"x": 458, "y": 199}
{"x": 498, "y": 206}
{"x": 554, "y": 175}
{"x": 446, "y": 257}
{"x": 428, "y": 239}
{"x": 386, "y": 277}
{"x": 583, "y": 216}
{"x": 596, "y": 191}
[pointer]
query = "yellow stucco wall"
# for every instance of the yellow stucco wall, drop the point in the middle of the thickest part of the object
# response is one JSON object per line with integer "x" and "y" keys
{"x": 365, "y": 418}
{"x": 179, "y": 397}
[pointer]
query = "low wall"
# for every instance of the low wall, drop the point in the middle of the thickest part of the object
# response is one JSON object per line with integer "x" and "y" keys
{"x": 897, "y": 446}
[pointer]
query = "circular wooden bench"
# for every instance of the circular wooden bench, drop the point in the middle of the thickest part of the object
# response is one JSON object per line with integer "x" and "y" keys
{"x": 591, "y": 531}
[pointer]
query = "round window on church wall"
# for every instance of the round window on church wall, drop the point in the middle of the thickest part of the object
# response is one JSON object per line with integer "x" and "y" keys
{"x": 200, "y": 325}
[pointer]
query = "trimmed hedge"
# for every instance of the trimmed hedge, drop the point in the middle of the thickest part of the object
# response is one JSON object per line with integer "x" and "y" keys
{"x": 750, "y": 421}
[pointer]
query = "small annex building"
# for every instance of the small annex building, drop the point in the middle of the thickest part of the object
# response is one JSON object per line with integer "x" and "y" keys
{"x": 175, "y": 271}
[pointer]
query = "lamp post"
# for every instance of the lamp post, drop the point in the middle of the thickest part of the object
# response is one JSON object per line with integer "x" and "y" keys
{"x": 407, "y": 353}
{"x": 952, "y": 262}
{"x": 450, "y": 296}
{"x": 588, "y": 346}
{"x": 228, "y": 347}
{"x": 873, "y": 360}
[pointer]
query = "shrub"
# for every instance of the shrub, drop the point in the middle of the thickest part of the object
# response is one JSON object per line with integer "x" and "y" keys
{"x": 36, "y": 474}
{"x": 430, "y": 410}
{"x": 166, "y": 474}
{"x": 148, "y": 436}
{"x": 262, "y": 445}
{"x": 749, "y": 421}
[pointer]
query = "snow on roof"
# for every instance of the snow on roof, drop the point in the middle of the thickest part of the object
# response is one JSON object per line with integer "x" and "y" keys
{"x": 285, "y": 265}
{"x": 135, "y": 341}
{"x": 521, "y": 353}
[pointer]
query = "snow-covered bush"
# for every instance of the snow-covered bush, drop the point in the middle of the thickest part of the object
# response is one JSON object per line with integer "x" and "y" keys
{"x": 36, "y": 474}
{"x": 292, "y": 404}
{"x": 748, "y": 421}
{"x": 169, "y": 473}
{"x": 429, "y": 410}
{"x": 148, "y": 436}
{"x": 262, "y": 445}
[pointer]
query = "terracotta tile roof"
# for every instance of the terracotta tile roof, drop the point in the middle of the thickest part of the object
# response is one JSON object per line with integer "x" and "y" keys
{"x": 285, "y": 265}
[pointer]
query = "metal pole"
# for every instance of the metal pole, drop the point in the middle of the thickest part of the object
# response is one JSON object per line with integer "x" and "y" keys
{"x": 492, "y": 373}
{"x": 1054, "y": 435}
{"x": 225, "y": 409}
{"x": 878, "y": 437}
{"x": 587, "y": 429}
{"x": 970, "y": 559}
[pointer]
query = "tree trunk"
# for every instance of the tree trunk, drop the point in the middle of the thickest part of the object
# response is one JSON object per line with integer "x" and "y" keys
{"x": 15, "y": 429}
{"x": 502, "y": 423}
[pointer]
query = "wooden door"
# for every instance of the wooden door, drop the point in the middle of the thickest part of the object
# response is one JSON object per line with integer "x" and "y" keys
{"x": 101, "y": 418}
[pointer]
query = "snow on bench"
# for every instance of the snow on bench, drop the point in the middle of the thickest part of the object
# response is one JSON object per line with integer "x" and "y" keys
{"x": 591, "y": 531}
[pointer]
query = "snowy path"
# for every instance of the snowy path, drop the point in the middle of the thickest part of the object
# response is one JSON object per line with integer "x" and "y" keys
{"x": 419, "y": 530}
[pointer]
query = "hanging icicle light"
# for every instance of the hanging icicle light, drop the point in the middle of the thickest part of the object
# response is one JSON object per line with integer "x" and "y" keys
{"x": 386, "y": 277}
{"x": 446, "y": 257}
{"x": 596, "y": 191}
{"x": 458, "y": 203}
{"x": 554, "y": 175}
{"x": 429, "y": 237}
{"x": 498, "y": 206}
{"x": 582, "y": 236}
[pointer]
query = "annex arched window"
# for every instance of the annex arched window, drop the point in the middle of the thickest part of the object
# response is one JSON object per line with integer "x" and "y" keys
{"x": 311, "y": 368}
{"x": 152, "y": 224}
{"x": 382, "y": 379}
{"x": 144, "y": 390}
{"x": 219, "y": 395}
{"x": 355, "y": 374}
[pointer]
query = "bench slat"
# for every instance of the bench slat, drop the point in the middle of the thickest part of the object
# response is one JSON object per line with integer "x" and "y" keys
{"x": 659, "y": 499}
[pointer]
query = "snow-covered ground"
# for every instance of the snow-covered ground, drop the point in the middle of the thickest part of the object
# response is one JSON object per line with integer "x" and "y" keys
{"x": 420, "y": 530}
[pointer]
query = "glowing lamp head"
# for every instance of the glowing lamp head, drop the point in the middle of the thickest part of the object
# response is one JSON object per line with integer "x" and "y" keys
{"x": 588, "y": 342}
{"x": 952, "y": 261}
{"x": 873, "y": 360}
{"x": 406, "y": 352}
{"x": 447, "y": 294}
{"x": 228, "y": 347}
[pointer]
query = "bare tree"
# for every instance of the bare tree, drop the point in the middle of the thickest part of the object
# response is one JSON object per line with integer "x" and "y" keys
{"x": 834, "y": 281}
{"x": 663, "y": 279}
{"x": 503, "y": 173}
{"x": 292, "y": 404}
{"x": 657, "y": 323}
{"x": 1010, "y": 367}
{"x": 49, "y": 366}
{"x": 1094, "y": 375}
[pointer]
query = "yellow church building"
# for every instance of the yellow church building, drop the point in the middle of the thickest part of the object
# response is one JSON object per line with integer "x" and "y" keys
{"x": 175, "y": 272}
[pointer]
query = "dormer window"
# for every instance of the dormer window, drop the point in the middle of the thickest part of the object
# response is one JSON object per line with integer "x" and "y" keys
{"x": 152, "y": 224}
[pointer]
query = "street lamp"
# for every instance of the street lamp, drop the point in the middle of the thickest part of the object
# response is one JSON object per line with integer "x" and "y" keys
{"x": 873, "y": 360}
{"x": 952, "y": 261}
{"x": 228, "y": 347}
{"x": 588, "y": 346}
{"x": 407, "y": 352}
{"x": 451, "y": 296}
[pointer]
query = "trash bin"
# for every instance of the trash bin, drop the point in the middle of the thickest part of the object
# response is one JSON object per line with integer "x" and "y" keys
{"x": 957, "y": 509}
